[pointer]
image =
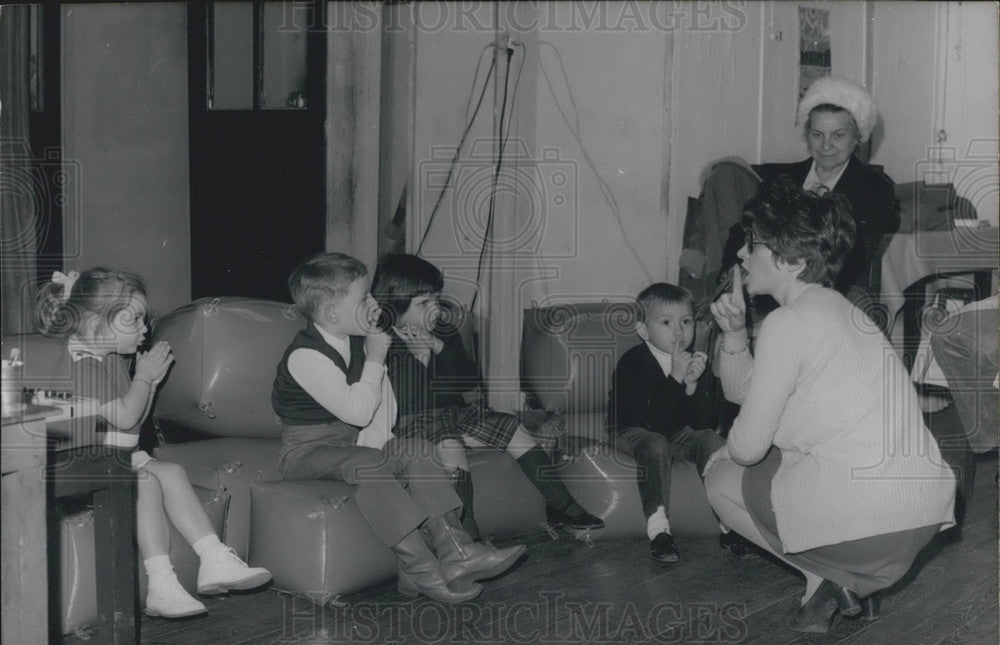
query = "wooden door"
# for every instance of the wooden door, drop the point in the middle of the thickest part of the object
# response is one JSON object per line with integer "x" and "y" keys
{"x": 257, "y": 153}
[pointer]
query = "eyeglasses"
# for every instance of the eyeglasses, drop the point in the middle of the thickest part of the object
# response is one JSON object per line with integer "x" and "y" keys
{"x": 750, "y": 241}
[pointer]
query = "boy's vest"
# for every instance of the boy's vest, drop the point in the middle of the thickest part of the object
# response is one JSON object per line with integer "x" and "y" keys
{"x": 292, "y": 403}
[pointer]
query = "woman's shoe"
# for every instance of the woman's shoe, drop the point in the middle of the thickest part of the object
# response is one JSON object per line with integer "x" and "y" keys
{"x": 816, "y": 615}
{"x": 871, "y": 607}
{"x": 419, "y": 572}
{"x": 847, "y": 602}
{"x": 737, "y": 545}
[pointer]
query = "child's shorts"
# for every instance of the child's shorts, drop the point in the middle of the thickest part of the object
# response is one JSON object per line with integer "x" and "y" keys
{"x": 495, "y": 429}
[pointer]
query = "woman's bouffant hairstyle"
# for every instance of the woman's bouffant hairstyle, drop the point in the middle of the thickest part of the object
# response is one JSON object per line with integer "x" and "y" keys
{"x": 401, "y": 277}
{"x": 322, "y": 277}
{"x": 100, "y": 292}
{"x": 801, "y": 226}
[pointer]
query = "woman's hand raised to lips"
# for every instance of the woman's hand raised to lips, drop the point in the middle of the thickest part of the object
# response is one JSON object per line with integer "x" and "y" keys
{"x": 730, "y": 309}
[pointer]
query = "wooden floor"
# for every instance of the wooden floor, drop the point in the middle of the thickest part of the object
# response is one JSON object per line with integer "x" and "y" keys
{"x": 566, "y": 591}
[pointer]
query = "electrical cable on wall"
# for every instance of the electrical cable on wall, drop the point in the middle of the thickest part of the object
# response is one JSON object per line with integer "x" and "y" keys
{"x": 502, "y": 137}
{"x": 574, "y": 129}
{"x": 461, "y": 142}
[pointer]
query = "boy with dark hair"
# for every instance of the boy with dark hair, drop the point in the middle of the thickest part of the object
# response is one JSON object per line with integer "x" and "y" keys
{"x": 662, "y": 407}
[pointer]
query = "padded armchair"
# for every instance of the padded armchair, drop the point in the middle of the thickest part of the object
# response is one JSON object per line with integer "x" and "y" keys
{"x": 568, "y": 353}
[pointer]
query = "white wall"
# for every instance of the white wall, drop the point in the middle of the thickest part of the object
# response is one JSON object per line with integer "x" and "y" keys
{"x": 654, "y": 107}
{"x": 587, "y": 217}
{"x": 716, "y": 82}
{"x": 125, "y": 127}
{"x": 781, "y": 139}
{"x": 972, "y": 105}
{"x": 935, "y": 71}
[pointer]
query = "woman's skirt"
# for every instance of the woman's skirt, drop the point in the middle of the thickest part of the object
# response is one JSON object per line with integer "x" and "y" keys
{"x": 864, "y": 566}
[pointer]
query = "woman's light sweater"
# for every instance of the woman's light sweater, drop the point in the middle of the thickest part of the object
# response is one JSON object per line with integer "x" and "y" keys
{"x": 828, "y": 390}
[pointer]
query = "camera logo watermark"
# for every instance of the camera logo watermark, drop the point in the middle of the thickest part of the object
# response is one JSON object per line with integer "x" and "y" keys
{"x": 39, "y": 186}
{"x": 544, "y": 191}
{"x": 956, "y": 190}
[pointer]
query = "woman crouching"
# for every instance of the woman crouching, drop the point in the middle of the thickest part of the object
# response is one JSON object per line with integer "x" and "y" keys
{"x": 855, "y": 484}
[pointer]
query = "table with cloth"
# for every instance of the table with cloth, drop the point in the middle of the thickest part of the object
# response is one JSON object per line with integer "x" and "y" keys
{"x": 911, "y": 260}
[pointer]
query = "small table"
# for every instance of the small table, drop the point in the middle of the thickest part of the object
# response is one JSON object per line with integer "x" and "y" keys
{"x": 911, "y": 260}
{"x": 42, "y": 462}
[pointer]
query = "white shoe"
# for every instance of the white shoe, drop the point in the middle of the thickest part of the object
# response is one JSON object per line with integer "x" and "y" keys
{"x": 221, "y": 570}
{"x": 168, "y": 599}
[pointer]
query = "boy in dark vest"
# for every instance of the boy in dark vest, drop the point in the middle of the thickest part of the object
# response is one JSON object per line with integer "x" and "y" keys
{"x": 338, "y": 408}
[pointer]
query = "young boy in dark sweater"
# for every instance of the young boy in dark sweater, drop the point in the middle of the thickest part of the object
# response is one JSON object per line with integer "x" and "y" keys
{"x": 662, "y": 407}
{"x": 338, "y": 409}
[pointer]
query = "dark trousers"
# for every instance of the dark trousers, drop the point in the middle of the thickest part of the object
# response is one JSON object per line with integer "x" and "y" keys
{"x": 654, "y": 456}
{"x": 391, "y": 510}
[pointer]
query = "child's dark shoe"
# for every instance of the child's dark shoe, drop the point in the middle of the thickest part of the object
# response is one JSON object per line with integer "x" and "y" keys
{"x": 737, "y": 545}
{"x": 663, "y": 548}
{"x": 573, "y": 516}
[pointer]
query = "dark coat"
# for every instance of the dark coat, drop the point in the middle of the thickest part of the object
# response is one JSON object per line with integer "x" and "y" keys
{"x": 875, "y": 209}
{"x": 643, "y": 396}
{"x": 439, "y": 384}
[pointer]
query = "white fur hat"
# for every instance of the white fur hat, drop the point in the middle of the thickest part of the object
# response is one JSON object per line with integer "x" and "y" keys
{"x": 841, "y": 92}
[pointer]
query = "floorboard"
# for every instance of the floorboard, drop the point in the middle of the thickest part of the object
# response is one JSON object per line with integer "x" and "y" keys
{"x": 568, "y": 591}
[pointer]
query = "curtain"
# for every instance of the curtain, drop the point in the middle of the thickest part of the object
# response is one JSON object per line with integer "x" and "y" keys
{"x": 18, "y": 225}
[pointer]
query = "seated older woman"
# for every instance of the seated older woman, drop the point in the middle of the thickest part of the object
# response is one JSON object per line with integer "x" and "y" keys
{"x": 838, "y": 117}
{"x": 829, "y": 465}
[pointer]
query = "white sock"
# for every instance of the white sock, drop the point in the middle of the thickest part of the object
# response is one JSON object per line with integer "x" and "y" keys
{"x": 657, "y": 523}
{"x": 202, "y": 545}
{"x": 158, "y": 565}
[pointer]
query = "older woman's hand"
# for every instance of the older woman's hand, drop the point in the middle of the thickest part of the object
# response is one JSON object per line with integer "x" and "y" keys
{"x": 730, "y": 309}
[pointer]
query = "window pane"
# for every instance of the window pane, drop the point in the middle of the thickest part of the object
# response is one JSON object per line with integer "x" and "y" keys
{"x": 230, "y": 56}
{"x": 284, "y": 56}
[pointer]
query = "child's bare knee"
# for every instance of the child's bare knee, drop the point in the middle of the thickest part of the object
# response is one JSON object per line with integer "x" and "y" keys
{"x": 168, "y": 470}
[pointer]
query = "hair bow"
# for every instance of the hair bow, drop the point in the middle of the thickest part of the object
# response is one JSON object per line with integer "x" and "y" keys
{"x": 66, "y": 280}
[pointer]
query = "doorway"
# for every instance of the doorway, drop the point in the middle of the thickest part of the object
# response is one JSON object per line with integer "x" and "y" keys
{"x": 257, "y": 145}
